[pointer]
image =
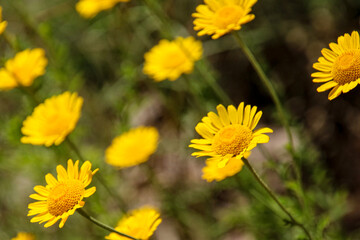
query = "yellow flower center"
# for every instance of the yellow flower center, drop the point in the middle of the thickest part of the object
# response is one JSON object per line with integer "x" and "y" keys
{"x": 228, "y": 15}
{"x": 232, "y": 139}
{"x": 347, "y": 67}
{"x": 65, "y": 196}
{"x": 174, "y": 59}
{"x": 56, "y": 123}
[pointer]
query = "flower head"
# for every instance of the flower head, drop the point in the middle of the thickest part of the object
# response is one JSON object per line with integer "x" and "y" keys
{"x": 133, "y": 147}
{"x": 227, "y": 136}
{"x": 52, "y": 120}
{"x": 23, "y": 69}
{"x": 90, "y": 8}
{"x": 62, "y": 196}
{"x": 3, "y": 24}
{"x": 24, "y": 236}
{"x": 339, "y": 68}
{"x": 218, "y": 17}
{"x": 139, "y": 223}
{"x": 170, "y": 59}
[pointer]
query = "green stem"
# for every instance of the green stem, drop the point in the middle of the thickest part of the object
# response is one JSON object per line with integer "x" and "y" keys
{"x": 104, "y": 226}
{"x": 267, "y": 84}
{"x": 98, "y": 177}
{"x": 8, "y": 40}
{"x": 211, "y": 81}
{"x": 273, "y": 196}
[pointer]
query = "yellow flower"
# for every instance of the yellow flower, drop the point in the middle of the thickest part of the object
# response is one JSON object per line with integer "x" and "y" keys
{"x": 62, "y": 196}
{"x": 24, "y": 236}
{"x": 339, "y": 69}
{"x": 23, "y": 69}
{"x": 139, "y": 223}
{"x": 133, "y": 147}
{"x": 212, "y": 171}
{"x": 218, "y": 17}
{"x": 3, "y": 24}
{"x": 52, "y": 120}
{"x": 170, "y": 59}
{"x": 90, "y": 8}
{"x": 228, "y": 135}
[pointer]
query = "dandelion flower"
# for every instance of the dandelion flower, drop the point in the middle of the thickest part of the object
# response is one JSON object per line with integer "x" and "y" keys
{"x": 140, "y": 223}
{"x": 3, "y": 24}
{"x": 170, "y": 59}
{"x": 62, "y": 196}
{"x": 24, "y": 236}
{"x": 23, "y": 69}
{"x": 212, "y": 171}
{"x": 219, "y": 17}
{"x": 52, "y": 120}
{"x": 229, "y": 134}
{"x": 339, "y": 68}
{"x": 133, "y": 147}
{"x": 90, "y": 8}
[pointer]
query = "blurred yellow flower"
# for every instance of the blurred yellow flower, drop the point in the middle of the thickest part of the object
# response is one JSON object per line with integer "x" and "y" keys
{"x": 228, "y": 134}
{"x": 218, "y": 17}
{"x": 339, "y": 68}
{"x": 90, "y": 8}
{"x": 139, "y": 223}
{"x": 24, "y": 236}
{"x": 62, "y": 196}
{"x": 3, "y": 24}
{"x": 133, "y": 147}
{"x": 170, "y": 59}
{"x": 52, "y": 120}
{"x": 212, "y": 171}
{"x": 23, "y": 69}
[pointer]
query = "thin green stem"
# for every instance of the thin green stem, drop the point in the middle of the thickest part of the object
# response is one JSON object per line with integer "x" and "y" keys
{"x": 8, "y": 40}
{"x": 274, "y": 197}
{"x": 98, "y": 177}
{"x": 211, "y": 81}
{"x": 266, "y": 81}
{"x": 104, "y": 226}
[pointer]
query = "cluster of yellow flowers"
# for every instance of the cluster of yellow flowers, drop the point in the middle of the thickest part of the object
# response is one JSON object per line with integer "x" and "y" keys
{"x": 228, "y": 136}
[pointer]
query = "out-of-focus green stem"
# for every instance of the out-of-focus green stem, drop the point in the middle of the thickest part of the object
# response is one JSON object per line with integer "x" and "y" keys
{"x": 102, "y": 225}
{"x": 266, "y": 81}
{"x": 274, "y": 197}
{"x": 11, "y": 43}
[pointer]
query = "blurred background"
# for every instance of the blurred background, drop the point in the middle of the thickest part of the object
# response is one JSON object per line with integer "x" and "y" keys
{"x": 102, "y": 59}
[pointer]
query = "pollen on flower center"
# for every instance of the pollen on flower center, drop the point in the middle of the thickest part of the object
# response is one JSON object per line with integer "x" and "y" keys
{"x": 232, "y": 139}
{"x": 347, "y": 67}
{"x": 65, "y": 196}
{"x": 228, "y": 15}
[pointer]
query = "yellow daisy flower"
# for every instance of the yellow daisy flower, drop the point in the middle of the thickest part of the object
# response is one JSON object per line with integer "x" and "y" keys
{"x": 212, "y": 171}
{"x": 133, "y": 147}
{"x": 170, "y": 59}
{"x": 52, "y": 120}
{"x": 229, "y": 134}
{"x": 24, "y": 236}
{"x": 23, "y": 69}
{"x": 90, "y": 8}
{"x": 3, "y": 24}
{"x": 339, "y": 68}
{"x": 219, "y": 17}
{"x": 62, "y": 196}
{"x": 139, "y": 223}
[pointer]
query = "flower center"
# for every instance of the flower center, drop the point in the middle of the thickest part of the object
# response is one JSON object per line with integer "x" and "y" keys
{"x": 65, "y": 196}
{"x": 56, "y": 123}
{"x": 228, "y": 15}
{"x": 174, "y": 59}
{"x": 232, "y": 139}
{"x": 347, "y": 67}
